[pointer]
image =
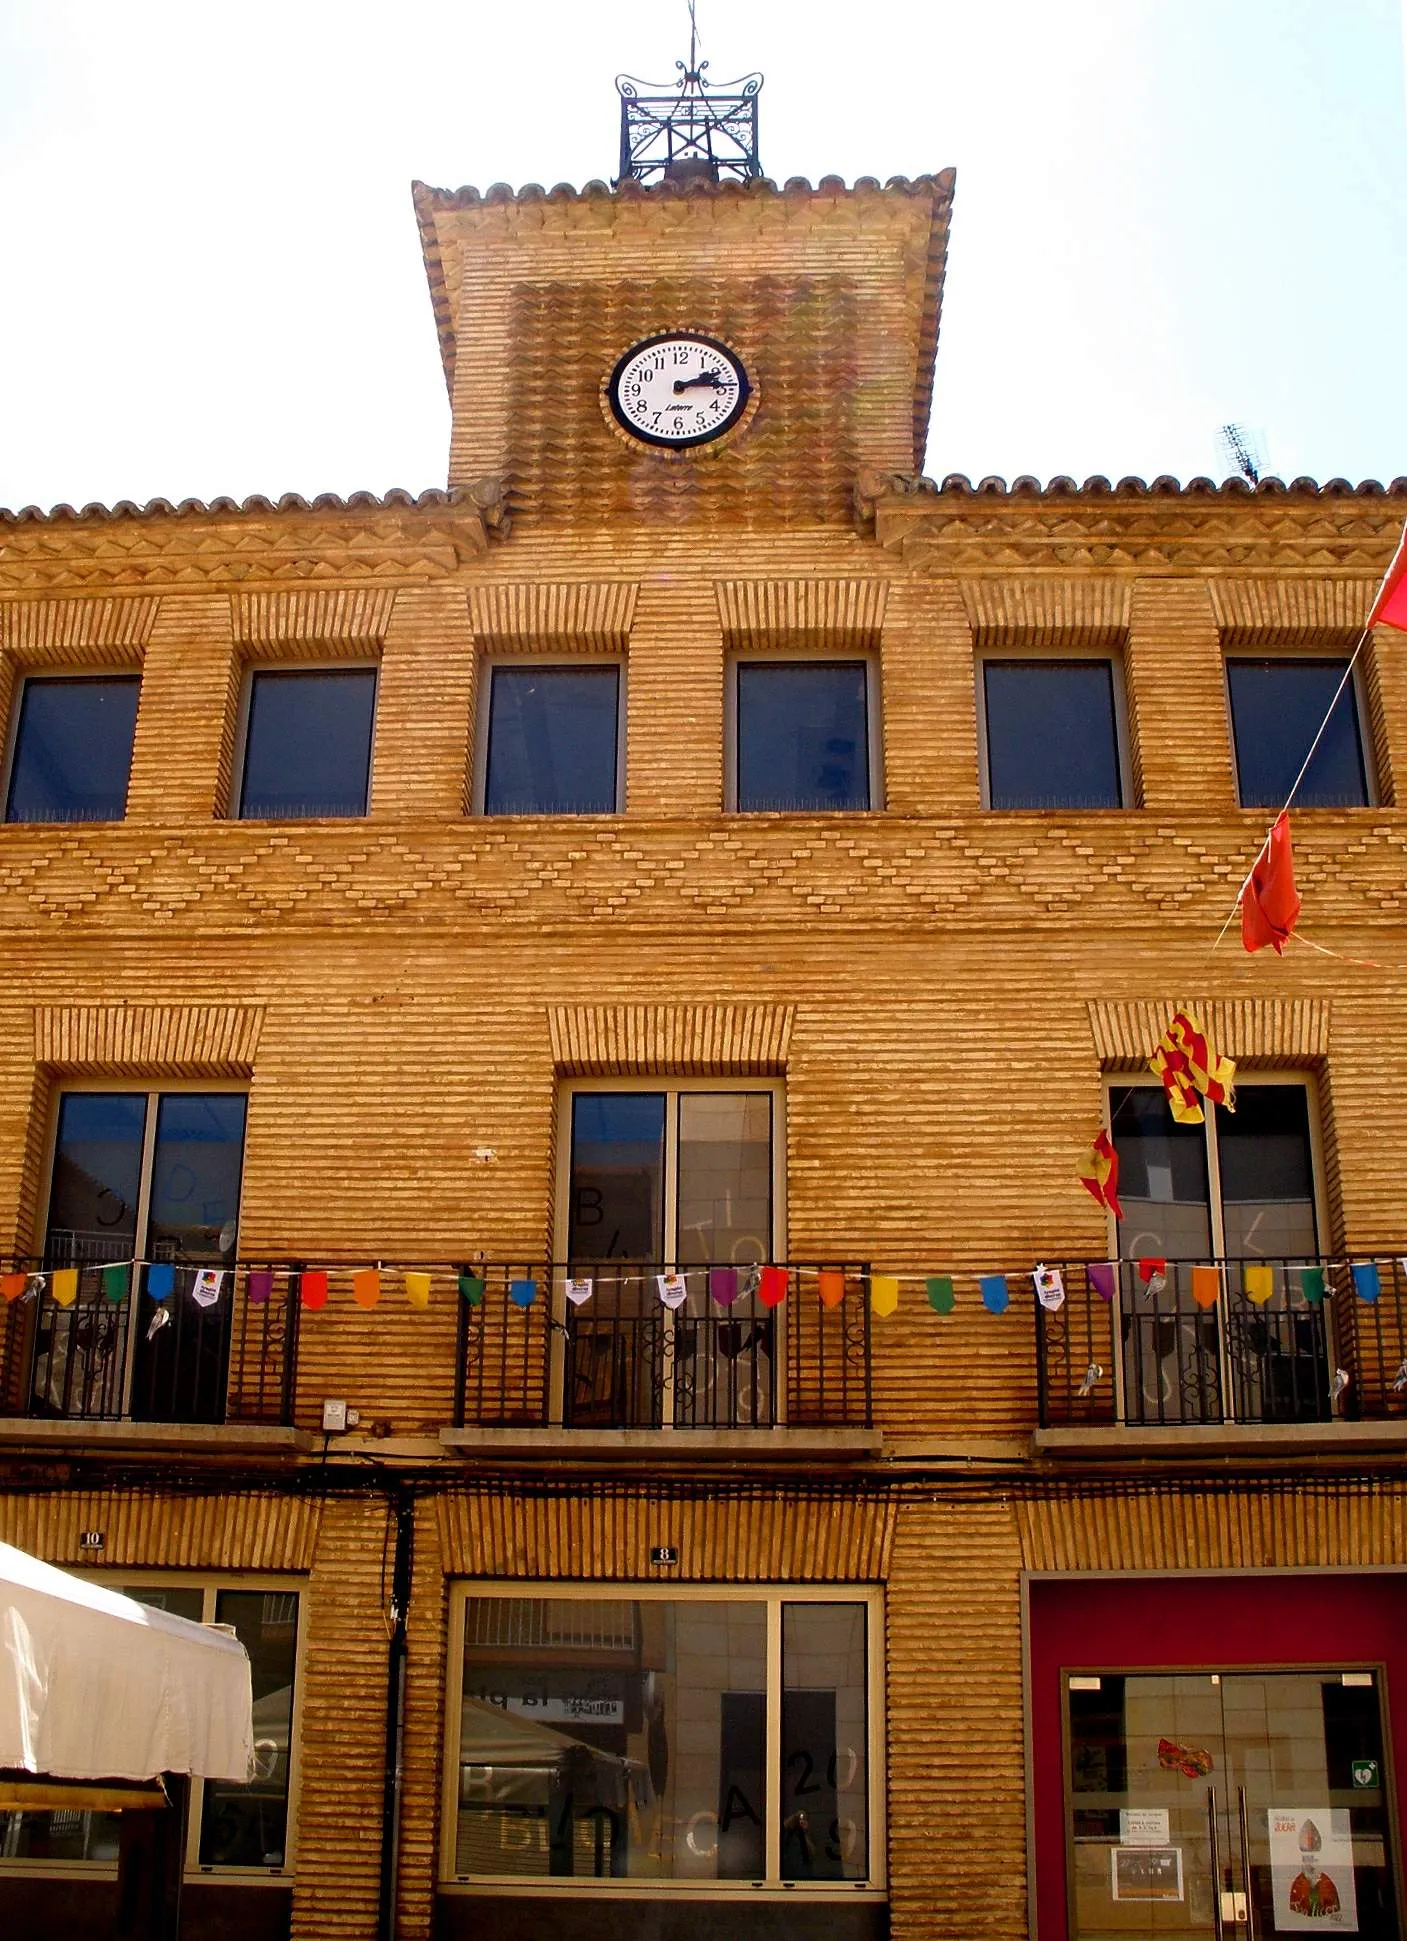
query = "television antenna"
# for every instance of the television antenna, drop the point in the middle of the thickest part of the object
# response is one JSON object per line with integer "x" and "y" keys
{"x": 1242, "y": 450}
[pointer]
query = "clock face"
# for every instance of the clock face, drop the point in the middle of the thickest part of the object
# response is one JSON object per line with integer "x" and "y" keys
{"x": 677, "y": 390}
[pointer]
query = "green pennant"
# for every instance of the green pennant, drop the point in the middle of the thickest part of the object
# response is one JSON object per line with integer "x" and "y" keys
{"x": 116, "y": 1283}
{"x": 471, "y": 1286}
{"x": 1311, "y": 1284}
{"x": 941, "y": 1297}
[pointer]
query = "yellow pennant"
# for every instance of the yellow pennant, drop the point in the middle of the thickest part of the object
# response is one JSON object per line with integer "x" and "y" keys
{"x": 884, "y": 1293}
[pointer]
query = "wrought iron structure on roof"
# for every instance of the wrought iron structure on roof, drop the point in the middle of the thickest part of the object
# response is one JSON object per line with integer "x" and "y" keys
{"x": 696, "y": 130}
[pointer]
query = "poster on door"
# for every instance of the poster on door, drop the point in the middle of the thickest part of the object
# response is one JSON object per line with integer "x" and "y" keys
{"x": 1311, "y": 1870}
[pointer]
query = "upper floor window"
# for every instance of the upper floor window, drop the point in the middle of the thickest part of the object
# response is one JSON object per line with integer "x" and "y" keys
{"x": 138, "y": 1176}
{"x": 72, "y": 751}
{"x": 230, "y": 1825}
{"x": 803, "y": 735}
{"x": 1051, "y": 734}
{"x": 307, "y": 742}
{"x": 552, "y": 739}
{"x": 682, "y": 1739}
{"x": 1277, "y": 708}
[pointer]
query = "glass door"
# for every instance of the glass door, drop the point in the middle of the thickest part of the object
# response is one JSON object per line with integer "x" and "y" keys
{"x": 1234, "y": 1807}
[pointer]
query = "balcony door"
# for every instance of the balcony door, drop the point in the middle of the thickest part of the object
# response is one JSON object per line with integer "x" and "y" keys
{"x": 672, "y": 1178}
{"x": 1238, "y": 1191}
{"x": 139, "y": 1177}
{"x": 1228, "y": 1806}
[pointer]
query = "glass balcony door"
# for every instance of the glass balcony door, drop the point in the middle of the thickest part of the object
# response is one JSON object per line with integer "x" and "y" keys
{"x": 664, "y": 1181}
{"x": 1233, "y": 1807}
{"x": 1238, "y": 1190}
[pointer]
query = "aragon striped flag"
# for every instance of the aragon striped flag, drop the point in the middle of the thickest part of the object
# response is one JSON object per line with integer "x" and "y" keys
{"x": 1390, "y": 607}
{"x": 1189, "y": 1066}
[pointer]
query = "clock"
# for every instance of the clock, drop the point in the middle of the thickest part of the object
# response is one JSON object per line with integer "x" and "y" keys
{"x": 678, "y": 390}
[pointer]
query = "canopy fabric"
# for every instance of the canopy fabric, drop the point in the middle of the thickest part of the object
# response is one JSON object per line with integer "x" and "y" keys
{"x": 94, "y": 1685}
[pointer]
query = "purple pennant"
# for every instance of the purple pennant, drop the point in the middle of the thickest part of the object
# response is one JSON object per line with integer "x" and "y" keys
{"x": 1100, "y": 1274}
{"x": 723, "y": 1285}
{"x": 259, "y": 1287}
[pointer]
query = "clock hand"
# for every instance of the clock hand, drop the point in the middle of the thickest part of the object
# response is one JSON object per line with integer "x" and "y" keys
{"x": 713, "y": 379}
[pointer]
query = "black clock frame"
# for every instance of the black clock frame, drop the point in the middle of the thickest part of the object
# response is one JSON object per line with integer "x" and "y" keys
{"x": 695, "y": 439}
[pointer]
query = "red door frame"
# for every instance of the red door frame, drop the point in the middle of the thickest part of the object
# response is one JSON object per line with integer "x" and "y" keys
{"x": 1187, "y": 1623}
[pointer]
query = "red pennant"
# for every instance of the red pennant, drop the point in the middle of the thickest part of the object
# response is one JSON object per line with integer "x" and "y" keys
{"x": 1270, "y": 903}
{"x": 1390, "y": 607}
{"x": 312, "y": 1288}
{"x": 772, "y": 1286}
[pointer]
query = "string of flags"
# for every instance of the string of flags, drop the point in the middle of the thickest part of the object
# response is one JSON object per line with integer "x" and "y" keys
{"x": 770, "y": 1285}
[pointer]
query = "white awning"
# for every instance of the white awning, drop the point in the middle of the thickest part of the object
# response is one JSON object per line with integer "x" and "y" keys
{"x": 94, "y": 1685}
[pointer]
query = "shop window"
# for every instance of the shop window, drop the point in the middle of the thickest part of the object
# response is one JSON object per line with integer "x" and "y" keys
{"x": 138, "y": 1177}
{"x": 553, "y": 739}
{"x": 678, "y": 1176}
{"x": 684, "y": 1741}
{"x": 306, "y": 742}
{"x": 803, "y": 735}
{"x": 1277, "y": 709}
{"x": 72, "y": 752}
{"x": 1236, "y": 1193}
{"x": 1052, "y": 734}
{"x": 231, "y": 1826}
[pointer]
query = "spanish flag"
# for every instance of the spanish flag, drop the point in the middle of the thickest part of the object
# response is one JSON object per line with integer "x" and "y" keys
{"x": 1100, "y": 1173}
{"x": 1191, "y": 1070}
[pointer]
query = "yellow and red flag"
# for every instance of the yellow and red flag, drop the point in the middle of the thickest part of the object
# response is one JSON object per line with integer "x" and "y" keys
{"x": 1390, "y": 607}
{"x": 1100, "y": 1173}
{"x": 1191, "y": 1070}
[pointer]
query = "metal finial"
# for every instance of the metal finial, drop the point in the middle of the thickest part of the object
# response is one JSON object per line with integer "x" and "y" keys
{"x": 698, "y": 130}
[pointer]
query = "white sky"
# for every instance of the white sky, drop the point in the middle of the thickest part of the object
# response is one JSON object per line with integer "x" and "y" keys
{"x": 1168, "y": 213}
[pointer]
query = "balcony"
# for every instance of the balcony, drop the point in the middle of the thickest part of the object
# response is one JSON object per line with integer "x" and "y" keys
{"x": 106, "y": 1358}
{"x": 623, "y": 1361}
{"x": 1152, "y": 1359}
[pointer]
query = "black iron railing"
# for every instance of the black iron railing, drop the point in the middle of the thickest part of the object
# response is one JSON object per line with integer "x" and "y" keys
{"x": 106, "y": 1349}
{"x": 621, "y": 1358}
{"x": 1235, "y": 1340}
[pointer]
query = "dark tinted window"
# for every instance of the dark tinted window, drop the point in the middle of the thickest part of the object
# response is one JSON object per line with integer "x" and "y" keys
{"x": 617, "y": 1190}
{"x": 552, "y": 741}
{"x": 803, "y": 735}
{"x": 1052, "y": 742}
{"x": 1276, "y": 710}
{"x": 307, "y": 749}
{"x": 73, "y": 750}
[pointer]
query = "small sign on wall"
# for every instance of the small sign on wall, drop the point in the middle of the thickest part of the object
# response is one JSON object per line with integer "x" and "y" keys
{"x": 92, "y": 1540}
{"x": 1143, "y": 1826}
{"x": 663, "y": 1555}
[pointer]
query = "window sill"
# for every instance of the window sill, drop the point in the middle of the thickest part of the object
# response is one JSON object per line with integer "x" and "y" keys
{"x": 765, "y": 1446}
{"x": 1112, "y": 1442}
{"x": 190, "y": 1438}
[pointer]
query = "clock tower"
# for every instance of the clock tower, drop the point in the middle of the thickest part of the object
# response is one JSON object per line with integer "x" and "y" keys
{"x": 693, "y": 344}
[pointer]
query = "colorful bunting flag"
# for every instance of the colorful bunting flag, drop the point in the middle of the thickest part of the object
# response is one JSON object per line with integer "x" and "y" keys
{"x": 1389, "y": 609}
{"x": 522, "y": 1293}
{"x": 1153, "y": 1272}
{"x": 772, "y": 1286}
{"x": 884, "y": 1293}
{"x": 1311, "y": 1280}
{"x": 1100, "y": 1275}
{"x": 117, "y": 1282}
{"x": 312, "y": 1289}
{"x": 942, "y": 1297}
{"x": 1050, "y": 1287}
{"x": 1270, "y": 903}
{"x": 471, "y": 1287}
{"x": 161, "y": 1280}
{"x": 996, "y": 1296}
{"x": 674, "y": 1289}
{"x": 12, "y": 1286}
{"x": 580, "y": 1289}
{"x": 1206, "y": 1286}
{"x": 63, "y": 1286}
{"x": 417, "y": 1289}
{"x": 723, "y": 1285}
{"x": 259, "y": 1286}
{"x": 1191, "y": 1070}
{"x": 366, "y": 1286}
{"x": 1367, "y": 1283}
{"x": 830, "y": 1286}
{"x": 1100, "y": 1175}
{"x": 1258, "y": 1284}
{"x": 208, "y": 1286}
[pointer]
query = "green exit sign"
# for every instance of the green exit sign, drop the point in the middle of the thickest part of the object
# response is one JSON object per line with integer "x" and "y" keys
{"x": 1365, "y": 1772}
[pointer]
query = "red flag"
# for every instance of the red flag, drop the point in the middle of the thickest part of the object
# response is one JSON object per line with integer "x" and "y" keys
{"x": 1390, "y": 607}
{"x": 1270, "y": 903}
